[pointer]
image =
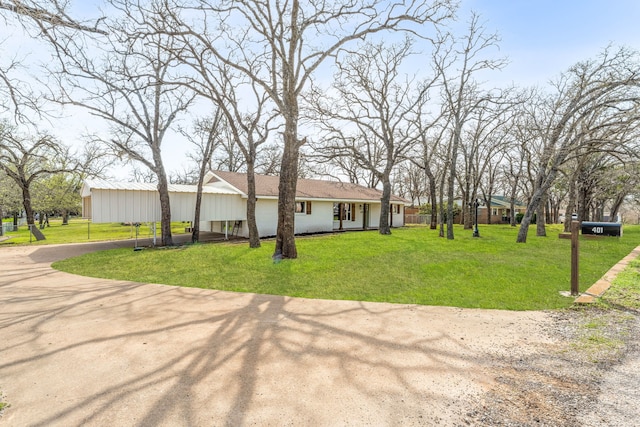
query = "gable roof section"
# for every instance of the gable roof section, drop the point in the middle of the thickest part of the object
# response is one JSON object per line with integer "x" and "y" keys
{"x": 267, "y": 186}
{"x": 504, "y": 202}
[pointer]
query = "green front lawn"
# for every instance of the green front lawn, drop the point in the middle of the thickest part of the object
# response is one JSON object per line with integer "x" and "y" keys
{"x": 80, "y": 230}
{"x": 413, "y": 266}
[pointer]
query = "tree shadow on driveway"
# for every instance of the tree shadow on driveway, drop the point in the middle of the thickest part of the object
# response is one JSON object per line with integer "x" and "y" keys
{"x": 87, "y": 351}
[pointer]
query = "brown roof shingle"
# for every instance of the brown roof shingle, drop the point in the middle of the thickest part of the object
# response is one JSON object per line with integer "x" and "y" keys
{"x": 267, "y": 186}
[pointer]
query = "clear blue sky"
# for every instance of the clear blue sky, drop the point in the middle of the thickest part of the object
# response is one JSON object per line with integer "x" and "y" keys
{"x": 542, "y": 38}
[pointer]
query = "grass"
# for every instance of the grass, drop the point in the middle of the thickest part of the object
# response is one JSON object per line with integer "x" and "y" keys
{"x": 80, "y": 230}
{"x": 412, "y": 266}
{"x": 3, "y": 405}
{"x": 625, "y": 289}
{"x": 609, "y": 322}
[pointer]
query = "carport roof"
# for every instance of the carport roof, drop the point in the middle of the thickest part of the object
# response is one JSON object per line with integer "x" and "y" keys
{"x": 100, "y": 184}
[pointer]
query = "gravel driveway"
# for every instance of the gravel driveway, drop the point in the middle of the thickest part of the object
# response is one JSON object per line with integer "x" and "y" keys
{"x": 83, "y": 351}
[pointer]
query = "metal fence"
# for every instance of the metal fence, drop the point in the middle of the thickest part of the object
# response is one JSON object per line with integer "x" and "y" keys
{"x": 417, "y": 219}
{"x": 7, "y": 227}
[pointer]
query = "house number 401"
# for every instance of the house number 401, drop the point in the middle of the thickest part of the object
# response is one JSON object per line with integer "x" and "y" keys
{"x": 597, "y": 230}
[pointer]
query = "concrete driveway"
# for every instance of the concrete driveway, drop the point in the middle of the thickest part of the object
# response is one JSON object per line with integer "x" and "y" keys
{"x": 93, "y": 352}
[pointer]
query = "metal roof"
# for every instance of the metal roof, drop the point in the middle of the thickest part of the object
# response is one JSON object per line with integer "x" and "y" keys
{"x": 100, "y": 184}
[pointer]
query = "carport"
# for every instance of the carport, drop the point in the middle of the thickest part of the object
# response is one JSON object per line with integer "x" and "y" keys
{"x": 126, "y": 202}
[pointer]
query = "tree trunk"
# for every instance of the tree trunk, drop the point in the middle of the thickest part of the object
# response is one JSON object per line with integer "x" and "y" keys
{"x": 65, "y": 217}
{"x": 285, "y": 235}
{"x": 441, "y": 215}
{"x": 26, "y": 203}
{"x": 433, "y": 196}
{"x": 254, "y": 236}
{"x": 195, "y": 231}
{"x": 570, "y": 206}
{"x": 616, "y": 207}
{"x": 542, "y": 184}
{"x": 467, "y": 200}
{"x": 583, "y": 201}
{"x": 165, "y": 210}
{"x": 384, "y": 226}
{"x": 526, "y": 219}
{"x": 512, "y": 204}
{"x": 450, "y": 186}
{"x": 452, "y": 177}
{"x": 541, "y": 230}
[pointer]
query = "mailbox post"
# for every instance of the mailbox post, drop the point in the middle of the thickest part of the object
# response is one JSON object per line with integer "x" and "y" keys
{"x": 575, "y": 275}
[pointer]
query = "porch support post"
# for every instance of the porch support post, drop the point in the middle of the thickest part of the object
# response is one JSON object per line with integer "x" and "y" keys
{"x": 226, "y": 230}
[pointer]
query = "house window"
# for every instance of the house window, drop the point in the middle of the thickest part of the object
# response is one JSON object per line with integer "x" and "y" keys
{"x": 494, "y": 211}
{"x": 395, "y": 209}
{"x": 348, "y": 211}
{"x": 303, "y": 207}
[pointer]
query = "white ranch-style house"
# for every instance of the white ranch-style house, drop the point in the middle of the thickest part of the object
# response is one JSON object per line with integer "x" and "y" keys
{"x": 321, "y": 206}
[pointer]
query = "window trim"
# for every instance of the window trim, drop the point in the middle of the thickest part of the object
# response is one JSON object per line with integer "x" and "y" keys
{"x": 305, "y": 207}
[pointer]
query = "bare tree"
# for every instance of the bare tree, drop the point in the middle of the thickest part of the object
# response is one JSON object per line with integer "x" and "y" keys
{"x": 223, "y": 86}
{"x": 458, "y": 61}
{"x": 593, "y": 95}
{"x": 30, "y": 15}
{"x": 409, "y": 182}
{"x": 623, "y": 181}
{"x": 227, "y": 155}
{"x": 126, "y": 79}
{"x": 431, "y": 157}
{"x": 17, "y": 94}
{"x": 485, "y": 136}
{"x": 268, "y": 160}
{"x": 10, "y": 198}
{"x": 24, "y": 159}
{"x": 205, "y": 136}
{"x": 49, "y": 13}
{"x": 280, "y": 45}
{"x": 373, "y": 118}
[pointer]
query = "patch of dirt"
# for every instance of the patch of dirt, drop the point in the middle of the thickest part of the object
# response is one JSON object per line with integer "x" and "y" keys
{"x": 560, "y": 383}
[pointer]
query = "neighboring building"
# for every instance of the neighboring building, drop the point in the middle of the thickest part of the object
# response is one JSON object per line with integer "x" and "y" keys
{"x": 321, "y": 206}
{"x": 500, "y": 210}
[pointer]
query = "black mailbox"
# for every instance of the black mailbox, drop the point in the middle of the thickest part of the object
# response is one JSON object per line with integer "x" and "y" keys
{"x": 602, "y": 228}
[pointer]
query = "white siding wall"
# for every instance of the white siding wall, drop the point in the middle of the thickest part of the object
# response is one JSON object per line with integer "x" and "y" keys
{"x": 144, "y": 206}
{"x": 266, "y": 218}
{"x": 374, "y": 217}
{"x": 216, "y": 207}
{"x": 398, "y": 219}
{"x": 183, "y": 206}
{"x": 320, "y": 219}
{"x": 124, "y": 206}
